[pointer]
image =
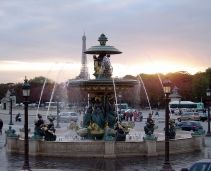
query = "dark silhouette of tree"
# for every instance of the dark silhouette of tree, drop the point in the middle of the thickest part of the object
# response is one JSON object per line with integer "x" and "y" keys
{"x": 190, "y": 87}
{"x": 200, "y": 84}
{"x": 208, "y": 75}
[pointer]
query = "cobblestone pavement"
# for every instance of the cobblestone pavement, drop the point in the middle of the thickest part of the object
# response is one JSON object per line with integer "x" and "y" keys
{"x": 14, "y": 162}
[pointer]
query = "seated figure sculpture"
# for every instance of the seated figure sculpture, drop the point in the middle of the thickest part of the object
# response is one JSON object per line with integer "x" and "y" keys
{"x": 98, "y": 113}
{"x": 88, "y": 116}
{"x": 111, "y": 115}
{"x": 38, "y": 125}
{"x": 120, "y": 134}
{"x": 49, "y": 130}
{"x": 149, "y": 125}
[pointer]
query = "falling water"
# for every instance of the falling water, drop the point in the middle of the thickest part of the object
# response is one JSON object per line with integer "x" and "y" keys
{"x": 44, "y": 87}
{"x": 115, "y": 97}
{"x": 145, "y": 92}
{"x": 114, "y": 90}
{"x": 160, "y": 80}
{"x": 64, "y": 92}
{"x": 52, "y": 94}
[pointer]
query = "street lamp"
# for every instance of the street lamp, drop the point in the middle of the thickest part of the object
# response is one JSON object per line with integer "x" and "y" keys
{"x": 11, "y": 94}
{"x": 26, "y": 94}
{"x": 208, "y": 97}
{"x": 167, "y": 91}
{"x": 179, "y": 107}
{"x": 84, "y": 105}
{"x": 57, "y": 111}
{"x": 158, "y": 103}
{"x": 120, "y": 98}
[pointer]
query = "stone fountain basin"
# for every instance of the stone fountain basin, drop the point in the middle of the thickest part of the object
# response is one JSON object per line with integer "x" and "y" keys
{"x": 69, "y": 144}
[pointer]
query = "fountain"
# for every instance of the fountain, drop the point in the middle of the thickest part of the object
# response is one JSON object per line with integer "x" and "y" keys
{"x": 95, "y": 136}
{"x": 102, "y": 88}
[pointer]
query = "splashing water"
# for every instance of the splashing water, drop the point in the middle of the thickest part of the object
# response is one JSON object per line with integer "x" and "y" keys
{"x": 116, "y": 99}
{"x": 44, "y": 87}
{"x": 64, "y": 92}
{"x": 52, "y": 94}
{"x": 114, "y": 90}
{"x": 160, "y": 80}
{"x": 145, "y": 92}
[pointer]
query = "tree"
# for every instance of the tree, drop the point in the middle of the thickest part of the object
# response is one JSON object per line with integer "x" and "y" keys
{"x": 151, "y": 89}
{"x": 183, "y": 80}
{"x": 199, "y": 85}
{"x": 40, "y": 80}
{"x": 3, "y": 90}
{"x": 208, "y": 75}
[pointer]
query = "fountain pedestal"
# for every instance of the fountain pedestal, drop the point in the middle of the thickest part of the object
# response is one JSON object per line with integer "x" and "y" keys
{"x": 198, "y": 142}
{"x": 34, "y": 146}
{"x": 109, "y": 149}
{"x": 151, "y": 148}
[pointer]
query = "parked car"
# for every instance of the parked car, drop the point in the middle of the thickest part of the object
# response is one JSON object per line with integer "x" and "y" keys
{"x": 176, "y": 111}
{"x": 130, "y": 110}
{"x": 201, "y": 165}
{"x": 68, "y": 116}
{"x": 41, "y": 105}
{"x": 189, "y": 116}
{"x": 189, "y": 125}
{"x": 32, "y": 105}
{"x": 53, "y": 115}
{"x": 19, "y": 104}
{"x": 204, "y": 117}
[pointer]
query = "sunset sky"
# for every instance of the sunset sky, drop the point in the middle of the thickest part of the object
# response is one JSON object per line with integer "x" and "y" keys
{"x": 44, "y": 38}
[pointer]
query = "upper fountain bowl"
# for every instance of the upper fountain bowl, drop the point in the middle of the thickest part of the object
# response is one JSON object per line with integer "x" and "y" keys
{"x": 102, "y": 48}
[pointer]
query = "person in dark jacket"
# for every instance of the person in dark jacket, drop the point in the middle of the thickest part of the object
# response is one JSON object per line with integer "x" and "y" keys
{"x": 1, "y": 126}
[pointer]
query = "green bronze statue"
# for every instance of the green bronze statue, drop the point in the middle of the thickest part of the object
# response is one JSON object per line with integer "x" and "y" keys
{"x": 110, "y": 112}
{"x": 88, "y": 116}
{"x": 98, "y": 113}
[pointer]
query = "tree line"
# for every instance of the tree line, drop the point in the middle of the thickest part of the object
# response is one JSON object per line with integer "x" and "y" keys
{"x": 147, "y": 93}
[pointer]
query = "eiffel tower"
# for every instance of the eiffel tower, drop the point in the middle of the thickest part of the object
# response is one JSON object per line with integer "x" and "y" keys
{"x": 84, "y": 74}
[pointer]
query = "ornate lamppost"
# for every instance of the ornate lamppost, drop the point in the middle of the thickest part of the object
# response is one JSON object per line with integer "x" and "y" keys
{"x": 179, "y": 106}
{"x": 120, "y": 107}
{"x": 26, "y": 94}
{"x": 84, "y": 105}
{"x": 11, "y": 98}
{"x": 208, "y": 119}
{"x": 57, "y": 111}
{"x": 167, "y": 91}
{"x": 158, "y": 103}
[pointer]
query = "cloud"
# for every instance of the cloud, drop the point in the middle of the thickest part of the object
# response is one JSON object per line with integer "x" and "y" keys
{"x": 51, "y": 31}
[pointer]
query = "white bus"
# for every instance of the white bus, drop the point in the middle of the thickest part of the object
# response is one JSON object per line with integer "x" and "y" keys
{"x": 185, "y": 105}
{"x": 124, "y": 106}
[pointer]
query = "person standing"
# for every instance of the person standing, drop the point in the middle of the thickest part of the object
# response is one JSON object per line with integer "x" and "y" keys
{"x": 127, "y": 115}
{"x": 1, "y": 126}
{"x": 135, "y": 116}
{"x": 131, "y": 115}
{"x": 157, "y": 115}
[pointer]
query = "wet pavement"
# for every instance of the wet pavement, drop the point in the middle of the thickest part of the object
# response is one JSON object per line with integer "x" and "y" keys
{"x": 14, "y": 162}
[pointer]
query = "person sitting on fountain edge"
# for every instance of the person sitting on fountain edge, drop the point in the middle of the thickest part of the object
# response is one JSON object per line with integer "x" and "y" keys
{"x": 110, "y": 112}
{"x": 149, "y": 119}
{"x": 149, "y": 125}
